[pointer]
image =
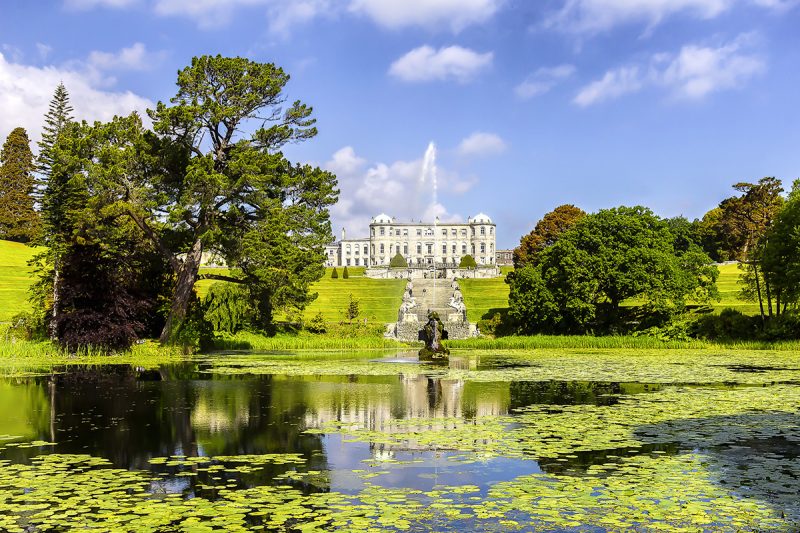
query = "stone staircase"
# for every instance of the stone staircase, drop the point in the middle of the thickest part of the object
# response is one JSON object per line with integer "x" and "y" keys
{"x": 433, "y": 295}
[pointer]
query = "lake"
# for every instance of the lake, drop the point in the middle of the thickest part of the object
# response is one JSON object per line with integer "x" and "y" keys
{"x": 568, "y": 440}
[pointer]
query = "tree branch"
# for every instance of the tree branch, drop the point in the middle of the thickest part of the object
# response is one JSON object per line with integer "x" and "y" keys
{"x": 151, "y": 234}
{"x": 220, "y": 277}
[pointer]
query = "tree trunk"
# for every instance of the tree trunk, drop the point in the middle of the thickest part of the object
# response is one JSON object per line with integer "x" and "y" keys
{"x": 769, "y": 293}
{"x": 758, "y": 291}
{"x": 182, "y": 295}
{"x": 54, "y": 318}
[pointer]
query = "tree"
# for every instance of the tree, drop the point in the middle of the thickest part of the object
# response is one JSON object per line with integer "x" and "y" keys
{"x": 109, "y": 278}
{"x": 205, "y": 180}
{"x": 58, "y": 116}
{"x": 780, "y": 260}
{"x": 345, "y": 273}
{"x": 57, "y": 119}
{"x": 546, "y": 233}
{"x": 352, "y": 310}
{"x": 18, "y": 220}
{"x": 581, "y": 281}
{"x": 467, "y": 261}
{"x": 749, "y": 217}
{"x": 334, "y": 274}
{"x": 398, "y": 261}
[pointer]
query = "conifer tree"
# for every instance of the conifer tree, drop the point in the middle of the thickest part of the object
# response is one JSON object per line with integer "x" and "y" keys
{"x": 56, "y": 120}
{"x": 58, "y": 115}
{"x": 18, "y": 220}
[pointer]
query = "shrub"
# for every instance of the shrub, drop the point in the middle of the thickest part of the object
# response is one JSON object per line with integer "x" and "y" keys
{"x": 730, "y": 324}
{"x": 334, "y": 274}
{"x": 352, "y": 311}
{"x": 345, "y": 273}
{"x": 398, "y": 261}
{"x": 468, "y": 262}
{"x": 317, "y": 324}
{"x": 27, "y": 326}
{"x": 227, "y": 307}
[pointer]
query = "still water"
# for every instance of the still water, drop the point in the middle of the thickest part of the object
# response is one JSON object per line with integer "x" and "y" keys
{"x": 448, "y": 431}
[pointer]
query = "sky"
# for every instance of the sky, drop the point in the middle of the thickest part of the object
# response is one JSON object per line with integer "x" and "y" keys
{"x": 531, "y": 104}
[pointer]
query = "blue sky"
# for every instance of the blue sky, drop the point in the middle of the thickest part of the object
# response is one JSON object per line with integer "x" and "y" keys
{"x": 531, "y": 104}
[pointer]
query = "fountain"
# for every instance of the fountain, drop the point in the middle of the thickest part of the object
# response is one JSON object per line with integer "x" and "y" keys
{"x": 433, "y": 333}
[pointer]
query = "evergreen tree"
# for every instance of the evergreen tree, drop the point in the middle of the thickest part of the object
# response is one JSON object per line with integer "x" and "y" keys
{"x": 345, "y": 273}
{"x": 58, "y": 115}
{"x": 51, "y": 195}
{"x": 334, "y": 274}
{"x": 18, "y": 220}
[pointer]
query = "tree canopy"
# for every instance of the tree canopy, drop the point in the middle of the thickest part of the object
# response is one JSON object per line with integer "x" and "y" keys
{"x": 18, "y": 219}
{"x": 581, "y": 281}
{"x": 546, "y": 233}
{"x": 210, "y": 177}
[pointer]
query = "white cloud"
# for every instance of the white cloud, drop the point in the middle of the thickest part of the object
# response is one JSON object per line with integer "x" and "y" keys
{"x": 91, "y": 4}
{"x": 698, "y": 71}
{"x": 432, "y": 14}
{"x": 613, "y": 84}
{"x": 26, "y": 91}
{"x": 43, "y": 50}
{"x": 206, "y": 13}
{"x": 482, "y": 144}
{"x": 693, "y": 73}
{"x": 281, "y": 14}
{"x": 452, "y": 62}
{"x": 595, "y": 16}
{"x": 394, "y": 188}
{"x": 543, "y": 80}
{"x": 135, "y": 57}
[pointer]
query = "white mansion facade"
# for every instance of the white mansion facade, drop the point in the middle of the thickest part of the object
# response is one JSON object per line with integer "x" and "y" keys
{"x": 420, "y": 243}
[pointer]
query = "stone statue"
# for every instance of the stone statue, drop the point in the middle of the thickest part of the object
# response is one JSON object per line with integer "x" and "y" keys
{"x": 409, "y": 302}
{"x": 454, "y": 285}
{"x": 410, "y": 286}
{"x": 432, "y": 333}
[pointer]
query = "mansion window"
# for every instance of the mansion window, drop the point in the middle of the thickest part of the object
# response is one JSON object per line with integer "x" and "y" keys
{"x": 365, "y": 249}
{"x": 383, "y": 231}
{"x": 463, "y": 232}
{"x": 348, "y": 261}
{"x": 473, "y": 231}
{"x": 444, "y": 232}
{"x": 483, "y": 230}
{"x": 453, "y": 232}
{"x": 419, "y": 232}
{"x": 491, "y": 231}
{"x": 454, "y": 249}
{"x": 444, "y": 249}
{"x": 381, "y": 247}
{"x": 405, "y": 232}
{"x": 430, "y": 248}
{"x": 419, "y": 248}
{"x": 463, "y": 249}
{"x": 405, "y": 249}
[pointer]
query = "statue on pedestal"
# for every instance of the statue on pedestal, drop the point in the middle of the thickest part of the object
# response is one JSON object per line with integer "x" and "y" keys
{"x": 432, "y": 333}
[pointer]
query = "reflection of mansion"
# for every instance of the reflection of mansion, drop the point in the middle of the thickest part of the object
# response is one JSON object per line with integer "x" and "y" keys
{"x": 422, "y": 244}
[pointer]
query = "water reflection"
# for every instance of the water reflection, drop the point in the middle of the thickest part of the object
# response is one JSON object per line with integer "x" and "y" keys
{"x": 130, "y": 415}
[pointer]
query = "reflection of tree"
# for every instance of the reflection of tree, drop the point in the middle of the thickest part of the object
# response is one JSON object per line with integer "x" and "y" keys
{"x": 752, "y": 455}
{"x": 129, "y": 415}
{"x": 524, "y": 393}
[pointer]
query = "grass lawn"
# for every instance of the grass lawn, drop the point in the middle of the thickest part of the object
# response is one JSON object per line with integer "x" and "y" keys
{"x": 482, "y": 295}
{"x": 15, "y": 278}
{"x": 378, "y": 299}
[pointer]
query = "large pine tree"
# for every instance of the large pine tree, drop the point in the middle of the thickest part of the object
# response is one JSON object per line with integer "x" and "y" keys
{"x": 51, "y": 190}
{"x": 58, "y": 115}
{"x": 18, "y": 220}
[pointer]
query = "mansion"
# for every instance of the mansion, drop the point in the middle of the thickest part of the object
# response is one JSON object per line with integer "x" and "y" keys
{"x": 420, "y": 243}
